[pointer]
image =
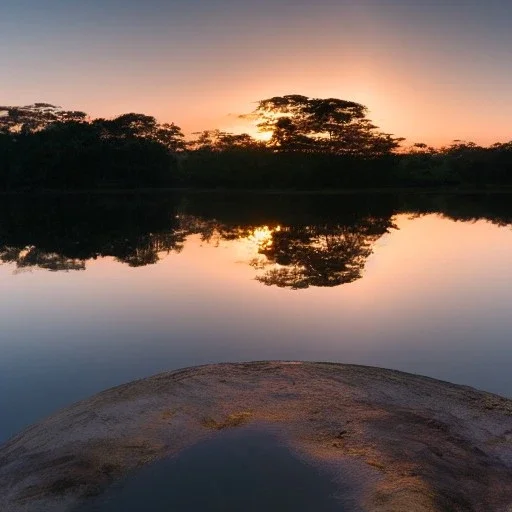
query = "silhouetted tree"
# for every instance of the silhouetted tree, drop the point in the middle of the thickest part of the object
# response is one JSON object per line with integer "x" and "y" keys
{"x": 316, "y": 143}
{"x": 38, "y": 116}
{"x": 141, "y": 126}
{"x": 331, "y": 125}
{"x": 43, "y": 146}
{"x": 217, "y": 140}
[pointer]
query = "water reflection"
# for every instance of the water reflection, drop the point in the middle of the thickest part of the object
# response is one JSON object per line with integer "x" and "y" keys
{"x": 60, "y": 233}
{"x": 168, "y": 283}
{"x": 321, "y": 255}
{"x": 293, "y": 241}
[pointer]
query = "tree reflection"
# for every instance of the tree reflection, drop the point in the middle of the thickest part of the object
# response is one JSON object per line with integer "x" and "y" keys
{"x": 292, "y": 241}
{"x": 325, "y": 255}
{"x": 33, "y": 257}
{"x": 61, "y": 233}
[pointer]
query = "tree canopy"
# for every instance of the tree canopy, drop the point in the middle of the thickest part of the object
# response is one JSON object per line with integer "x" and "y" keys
{"x": 141, "y": 126}
{"x": 329, "y": 125}
{"x": 217, "y": 140}
{"x": 32, "y": 118}
{"x": 314, "y": 144}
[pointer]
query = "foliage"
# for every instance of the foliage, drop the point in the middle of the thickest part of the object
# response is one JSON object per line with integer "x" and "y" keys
{"x": 38, "y": 116}
{"x": 45, "y": 149}
{"x": 216, "y": 140}
{"x": 142, "y": 127}
{"x": 331, "y": 125}
{"x": 315, "y": 144}
{"x": 460, "y": 164}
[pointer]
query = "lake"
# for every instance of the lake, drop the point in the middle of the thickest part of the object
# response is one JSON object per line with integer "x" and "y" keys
{"x": 98, "y": 290}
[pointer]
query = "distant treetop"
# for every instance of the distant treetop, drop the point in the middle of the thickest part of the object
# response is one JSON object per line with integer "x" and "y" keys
{"x": 329, "y": 125}
{"x": 32, "y": 118}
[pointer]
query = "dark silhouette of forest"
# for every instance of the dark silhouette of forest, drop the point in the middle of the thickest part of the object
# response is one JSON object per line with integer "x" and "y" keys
{"x": 316, "y": 240}
{"x": 314, "y": 144}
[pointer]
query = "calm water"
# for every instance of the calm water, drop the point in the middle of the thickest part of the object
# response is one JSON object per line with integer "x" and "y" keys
{"x": 100, "y": 290}
{"x": 240, "y": 469}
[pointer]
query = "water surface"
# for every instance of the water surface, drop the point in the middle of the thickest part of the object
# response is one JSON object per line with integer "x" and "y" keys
{"x": 244, "y": 469}
{"x": 98, "y": 290}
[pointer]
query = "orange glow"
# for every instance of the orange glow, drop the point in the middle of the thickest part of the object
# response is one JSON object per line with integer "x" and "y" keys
{"x": 426, "y": 71}
{"x": 262, "y": 136}
{"x": 261, "y": 237}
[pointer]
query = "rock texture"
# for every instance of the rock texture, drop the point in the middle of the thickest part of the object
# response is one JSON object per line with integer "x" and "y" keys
{"x": 426, "y": 445}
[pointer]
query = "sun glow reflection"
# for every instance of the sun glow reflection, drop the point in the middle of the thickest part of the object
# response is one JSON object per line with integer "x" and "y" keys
{"x": 261, "y": 237}
{"x": 255, "y": 243}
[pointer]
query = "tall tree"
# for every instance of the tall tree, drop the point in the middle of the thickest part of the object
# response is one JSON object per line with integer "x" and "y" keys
{"x": 36, "y": 117}
{"x": 329, "y": 125}
{"x": 141, "y": 126}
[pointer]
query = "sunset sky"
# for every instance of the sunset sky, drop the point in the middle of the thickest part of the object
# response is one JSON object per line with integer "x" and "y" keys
{"x": 429, "y": 70}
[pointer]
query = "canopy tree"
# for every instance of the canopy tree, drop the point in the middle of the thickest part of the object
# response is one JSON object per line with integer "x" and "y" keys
{"x": 217, "y": 140}
{"x": 330, "y": 125}
{"x": 141, "y": 126}
{"x": 32, "y": 118}
{"x": 42, "y": 116}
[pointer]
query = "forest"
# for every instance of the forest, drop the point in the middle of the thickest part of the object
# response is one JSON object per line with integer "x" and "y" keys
{"x": 310, "y": 144}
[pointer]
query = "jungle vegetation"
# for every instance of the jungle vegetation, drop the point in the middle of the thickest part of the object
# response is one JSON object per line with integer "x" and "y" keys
{"x": 311, "y": 144}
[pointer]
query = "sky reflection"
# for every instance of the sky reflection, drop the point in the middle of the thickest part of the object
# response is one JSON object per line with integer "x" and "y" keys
{"x": 434, "y": 299}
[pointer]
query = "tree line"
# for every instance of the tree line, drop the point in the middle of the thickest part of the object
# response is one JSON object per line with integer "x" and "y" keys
{"x": 311, "y": 143}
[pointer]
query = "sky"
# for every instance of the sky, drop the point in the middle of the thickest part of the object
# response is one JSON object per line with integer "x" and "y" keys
{"x": 428, "y": 70}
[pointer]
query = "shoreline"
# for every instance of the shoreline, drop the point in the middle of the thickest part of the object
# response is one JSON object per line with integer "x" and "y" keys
{"x": 435, "y": 446}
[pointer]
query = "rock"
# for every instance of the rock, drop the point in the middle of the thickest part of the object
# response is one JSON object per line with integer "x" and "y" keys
{"x": 434, "y": 446}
